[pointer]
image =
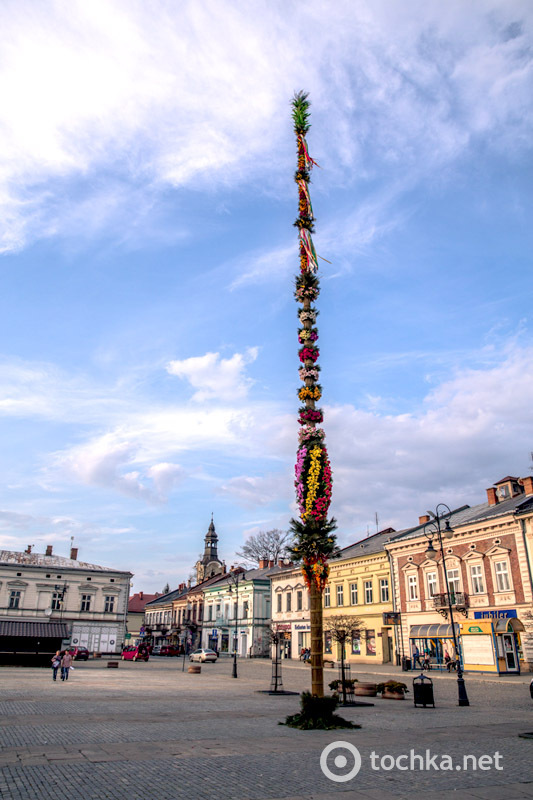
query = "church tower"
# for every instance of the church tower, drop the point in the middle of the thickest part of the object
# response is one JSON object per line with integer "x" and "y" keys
{"x": 210, "y": 564}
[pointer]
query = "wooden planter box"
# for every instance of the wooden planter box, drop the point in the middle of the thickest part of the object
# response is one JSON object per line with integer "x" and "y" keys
{"x": 393, "y": 696}
{"x": 366, "y": 689}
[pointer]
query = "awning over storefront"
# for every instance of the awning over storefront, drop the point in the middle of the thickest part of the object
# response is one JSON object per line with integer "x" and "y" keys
{"x": 509, "y": 625}
{"x": 442, "y": 631}
{"x": 35, "y": 630}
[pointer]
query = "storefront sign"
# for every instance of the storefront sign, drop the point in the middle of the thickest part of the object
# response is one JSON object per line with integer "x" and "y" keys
{"x": 305, "y": 627}
{"x": 282, "y": 626}
{"x": 500, "y": 613}
{"x": 475, "y": 627}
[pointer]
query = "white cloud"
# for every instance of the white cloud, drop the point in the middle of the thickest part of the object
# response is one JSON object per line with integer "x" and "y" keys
{"x": 197, "y": 92}
{"x": 216, "y": 378}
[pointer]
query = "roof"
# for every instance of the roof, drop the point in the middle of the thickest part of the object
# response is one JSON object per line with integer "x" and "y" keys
{"x": 51, "y": 562}
{"x": 136, "y": 603}
{"x": 249, "y": 575}
{"x": 506, "y": 480}
{"x": 44, "y": 630}
{"x": 369, "y": 545}
{"x": 168, "y": 597}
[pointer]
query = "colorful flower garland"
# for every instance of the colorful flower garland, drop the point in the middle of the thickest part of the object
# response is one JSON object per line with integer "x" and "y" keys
{"x": 313, "y": 479}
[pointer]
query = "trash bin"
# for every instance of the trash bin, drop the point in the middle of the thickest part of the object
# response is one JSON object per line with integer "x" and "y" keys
{"x": 423, "y": 691}
{"x": 406, "y": 664}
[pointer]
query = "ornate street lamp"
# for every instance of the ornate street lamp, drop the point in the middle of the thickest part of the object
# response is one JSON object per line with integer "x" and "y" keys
{"x": 431, "y": 530}
{"x": 235, "y": 578}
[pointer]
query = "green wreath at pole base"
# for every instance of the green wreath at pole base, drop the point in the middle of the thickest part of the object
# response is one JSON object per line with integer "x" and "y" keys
{"x": 316, "y": 714}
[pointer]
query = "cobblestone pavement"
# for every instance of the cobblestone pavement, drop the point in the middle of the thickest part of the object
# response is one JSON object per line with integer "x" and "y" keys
{"x": 152, "y": 732}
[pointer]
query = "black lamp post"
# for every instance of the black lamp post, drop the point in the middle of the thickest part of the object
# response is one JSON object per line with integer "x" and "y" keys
{"x": 431, "y": 530}
{"x": 235, "y": 578}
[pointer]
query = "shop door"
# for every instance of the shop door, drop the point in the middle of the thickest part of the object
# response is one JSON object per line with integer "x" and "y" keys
{"x": 509, "y": 651}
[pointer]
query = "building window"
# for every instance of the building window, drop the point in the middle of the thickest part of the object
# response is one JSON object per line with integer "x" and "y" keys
{"x": 209, "y": 613}
{"x": 432, "y": 583}
{"x": 14, "y": 599}
{"x": 235, "y": 611}
{"x": 327, "y": 597}
{"x": 502, "y": 576}
{"x": 218, "y": 609}
{"x": 353, "y": 594}
{"x": 384, "y": 590}
{"x": 412, "y": 584}
{"x": 85, "y": 602}
{"x": 279, "y": 604}
{"x": 340, "y": 595}
{"x": 476, "y": 576}
{"x": 109, "y": 603}
{"x": 369, "y": 592}
{"x": 245, "y": 609}
{"x": 299, "y": 601}
{"x": 57, "y": 598}
{"x": 327, "y": 643}
{"x": 288, "y": 601}
{"x": 453, "y": 581}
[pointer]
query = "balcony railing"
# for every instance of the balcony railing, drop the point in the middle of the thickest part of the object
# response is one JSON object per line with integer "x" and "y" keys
{"x": 458, "y": 601}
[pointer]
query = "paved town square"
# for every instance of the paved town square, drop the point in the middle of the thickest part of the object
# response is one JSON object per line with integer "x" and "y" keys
{"x": 149, "y": 731}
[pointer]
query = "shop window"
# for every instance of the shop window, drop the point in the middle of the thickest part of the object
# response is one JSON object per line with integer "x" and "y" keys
{"x": 109, "y": 604}
{"x": 327, "y": 597}
{"x": 288, "y": 602}
{"x": 279, "y": 604}
{"x": 340, "y": 595}
{"x": 412, "y": 587}
{"x": 14, "y": 599}
{"x": 476, "y": 577}
{"x": 327, "y": 643}
{"x": 384, "y": 590}
{"x": 371, "y": 643}
{"x": 356, "y": 645}
{"x": 85, "y": 602}
{"x": 299, "y": 601}
{"x": 354, "y": 599}
{"x": 369, "y": 592}
{"x": 431, "y": 579}
{"x": 502, "y": 576}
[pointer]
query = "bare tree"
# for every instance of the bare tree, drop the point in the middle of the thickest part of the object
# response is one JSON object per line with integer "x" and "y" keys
{"x": 270, "y": 545}
{"x": 343, "y": 628}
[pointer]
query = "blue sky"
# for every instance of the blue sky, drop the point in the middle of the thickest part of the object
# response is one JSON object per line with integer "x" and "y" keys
{"x": 148, "y": 356}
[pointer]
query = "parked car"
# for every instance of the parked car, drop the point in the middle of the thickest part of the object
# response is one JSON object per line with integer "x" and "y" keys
{"x": 135, "y": 653}
{"x": 203, "y": 655}
{"x": 531, "y": 689}
{"x": 169, "y": 650}
{"x": 155, "y": 650}
{"x": 80, "y": 653}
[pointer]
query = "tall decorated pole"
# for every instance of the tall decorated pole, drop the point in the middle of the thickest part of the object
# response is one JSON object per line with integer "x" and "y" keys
{"x": 314, "y": 541}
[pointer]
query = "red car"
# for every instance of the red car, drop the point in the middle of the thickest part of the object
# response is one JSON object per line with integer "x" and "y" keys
{"x": 169, "y": 650}
{"x": 135, "y": 653}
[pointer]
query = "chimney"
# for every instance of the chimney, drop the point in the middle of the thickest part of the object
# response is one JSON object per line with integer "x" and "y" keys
{"x": 263, "y": 563}
{"x": 28, "y": 549}
{"x": 527, "y": 483}
{"x": 492, "y": 496}
{"x": 423, "y": 519}
{"x": 74, "y": 553}
{"x": 140, "y": 595}
{"x": 281, "y": 563}
{"x": 271, "y": 563}
{"x": 48, "y": 550}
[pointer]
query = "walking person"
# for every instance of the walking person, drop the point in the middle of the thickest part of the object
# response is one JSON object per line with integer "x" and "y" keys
{"x": 66, "y": 663}
{"x": 56, "y": 663}
{"x": 416, "y": 657}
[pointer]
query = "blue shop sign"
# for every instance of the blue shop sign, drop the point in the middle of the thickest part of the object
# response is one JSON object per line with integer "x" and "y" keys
{"x": 499, "y": 613}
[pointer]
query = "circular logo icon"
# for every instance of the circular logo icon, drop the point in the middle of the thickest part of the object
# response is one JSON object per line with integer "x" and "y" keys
{"x": 340, "y": 761}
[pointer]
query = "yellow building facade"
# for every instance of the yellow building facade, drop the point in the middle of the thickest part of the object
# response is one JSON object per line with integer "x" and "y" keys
{"x": 359, "y": 585}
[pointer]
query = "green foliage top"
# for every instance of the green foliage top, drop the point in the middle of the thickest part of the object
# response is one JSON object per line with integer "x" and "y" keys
{"x": 300, "y": 112}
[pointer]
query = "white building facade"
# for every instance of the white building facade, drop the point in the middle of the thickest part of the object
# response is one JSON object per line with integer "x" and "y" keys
{"x": 290, "y": 611}
{"x": 88, "y": 602}
{"x": 240, "y": 618}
